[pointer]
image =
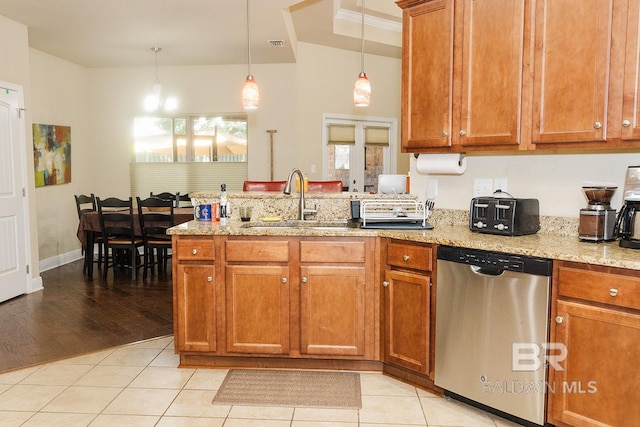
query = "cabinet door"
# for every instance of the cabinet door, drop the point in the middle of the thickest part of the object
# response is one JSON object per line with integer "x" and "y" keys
{"x": 598, "y": 383}
{"x": 332, "y": 310}
{"x": 195, "y": 308}
{"x": 406, "y": 320}
{"x": 492, "y": 58}
{"x": 571, "y": 76}
{"x": 257, "y": 303}
{"x": 427, "y": 73}
{"x": 631, "y": 98}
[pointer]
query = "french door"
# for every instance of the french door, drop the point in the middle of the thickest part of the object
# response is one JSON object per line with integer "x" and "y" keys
{"x": 357, "y": 149}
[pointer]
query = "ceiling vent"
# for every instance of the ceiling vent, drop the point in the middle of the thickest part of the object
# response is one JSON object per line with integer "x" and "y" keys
{"x": 276, "y": 43}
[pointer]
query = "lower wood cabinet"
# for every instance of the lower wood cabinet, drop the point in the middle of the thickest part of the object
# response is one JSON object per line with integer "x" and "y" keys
{"x": 407, "y": 311}
{"x": 406, "y": 314}
{"x": 257, "y": 309}
{"x": 597, "y": 321}
{"x": 194, "y": 294}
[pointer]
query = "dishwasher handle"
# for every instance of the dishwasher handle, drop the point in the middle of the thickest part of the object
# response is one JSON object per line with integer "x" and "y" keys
{"x": 486, "y": 270}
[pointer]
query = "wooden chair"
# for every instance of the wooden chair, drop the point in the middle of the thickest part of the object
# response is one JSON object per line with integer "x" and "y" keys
{"x": 86, "y": 204}
{"x": 166, "y": 196}
{"x": 264, "y": 186}
{"x": 155, "y": 216}
{"x": 324, "y": 186}
{"x": 183, "y": 201}
{"x": 118, "y": 231}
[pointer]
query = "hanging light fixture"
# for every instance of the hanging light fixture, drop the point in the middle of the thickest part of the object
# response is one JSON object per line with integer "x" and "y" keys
{"x": 153, "y": 101}
{"x": 362, "y": 89}
{"x": 250, "y": 92}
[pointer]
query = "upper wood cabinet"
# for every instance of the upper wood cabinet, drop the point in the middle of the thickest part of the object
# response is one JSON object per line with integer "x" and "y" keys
{"x": 462, "y": 74}
{"x": 572, "y": 68}
{"x": 427, "y": 74}
{"x": 520, "y": 75}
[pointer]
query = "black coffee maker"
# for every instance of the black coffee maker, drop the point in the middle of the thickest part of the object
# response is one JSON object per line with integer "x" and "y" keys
{"x": 627, "y": 227}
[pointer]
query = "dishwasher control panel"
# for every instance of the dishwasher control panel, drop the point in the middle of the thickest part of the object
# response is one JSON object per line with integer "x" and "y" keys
{"x": 496, "y": 260}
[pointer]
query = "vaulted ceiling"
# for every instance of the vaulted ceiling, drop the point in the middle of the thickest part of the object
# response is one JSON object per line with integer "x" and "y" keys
{"x": 120, "y": 33}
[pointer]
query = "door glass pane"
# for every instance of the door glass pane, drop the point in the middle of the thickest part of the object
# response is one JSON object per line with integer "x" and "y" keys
{"x": 339, "y": 163}
{"x": 153, "y": 139}
{"x": 373, "y": 166}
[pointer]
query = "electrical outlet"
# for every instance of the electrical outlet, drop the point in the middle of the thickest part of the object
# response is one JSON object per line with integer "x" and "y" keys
{"x": 500, "y": 184}
{"x": 313, "y": 168}
{"x": 432, "y": 188}
{"x": 482, "y": 187}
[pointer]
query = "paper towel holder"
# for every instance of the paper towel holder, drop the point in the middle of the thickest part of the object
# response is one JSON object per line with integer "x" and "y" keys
{"x": 462, "y": 156}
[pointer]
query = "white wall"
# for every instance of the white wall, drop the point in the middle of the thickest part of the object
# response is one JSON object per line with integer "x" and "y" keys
{"x": 554, "y": 179}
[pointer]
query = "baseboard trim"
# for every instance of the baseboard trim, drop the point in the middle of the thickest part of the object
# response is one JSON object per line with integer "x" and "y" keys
{"x": 58, "y": 260}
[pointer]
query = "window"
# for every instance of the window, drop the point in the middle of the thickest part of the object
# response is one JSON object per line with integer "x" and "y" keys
{"x": 213, "y": 138}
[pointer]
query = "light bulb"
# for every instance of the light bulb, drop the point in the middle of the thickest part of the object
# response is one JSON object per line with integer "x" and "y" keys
{"x": 362, "y": 91}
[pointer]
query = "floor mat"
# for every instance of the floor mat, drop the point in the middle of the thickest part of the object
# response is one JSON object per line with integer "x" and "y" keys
{"x": 323, "y": 389}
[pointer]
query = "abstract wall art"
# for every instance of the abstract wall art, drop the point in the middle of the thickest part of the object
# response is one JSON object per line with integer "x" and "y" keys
{"x": 52, "y": 154}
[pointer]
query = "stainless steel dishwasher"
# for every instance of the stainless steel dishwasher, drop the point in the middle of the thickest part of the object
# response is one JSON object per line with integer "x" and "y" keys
{"x": 492, "y": 313}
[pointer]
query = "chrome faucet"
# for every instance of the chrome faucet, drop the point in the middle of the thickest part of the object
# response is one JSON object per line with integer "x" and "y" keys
{"x": 302, "y": 210}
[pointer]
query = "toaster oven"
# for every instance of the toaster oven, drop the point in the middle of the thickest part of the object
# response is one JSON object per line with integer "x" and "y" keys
{"x": 504, "y": 215}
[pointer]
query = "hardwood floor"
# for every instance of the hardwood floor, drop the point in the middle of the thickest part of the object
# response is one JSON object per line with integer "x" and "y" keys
{"x": 73, "y": 315}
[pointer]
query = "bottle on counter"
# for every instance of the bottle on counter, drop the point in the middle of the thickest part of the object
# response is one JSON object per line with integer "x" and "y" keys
{"x": 223, "y": 202}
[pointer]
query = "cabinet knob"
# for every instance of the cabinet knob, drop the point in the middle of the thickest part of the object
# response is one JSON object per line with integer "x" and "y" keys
{"x": 444, "y": 133}
{"x": 597, "y": 125}
{"x": 626, "y": 123}
{"x": 194, "y": 251}
{"x": 304, "y": 280}
{"x": 613, "y": 292}
{"x": 462, "y": 133}
{"x": 559, "y": 319}
{"x": 405, "y": 257}
{"x": 209, "y": 279}
{"x": 385, "y": 283}
{"x": 284, "y": 280}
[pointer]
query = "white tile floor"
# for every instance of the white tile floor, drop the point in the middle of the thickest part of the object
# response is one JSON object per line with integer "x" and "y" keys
{"x": 139, "y": 385}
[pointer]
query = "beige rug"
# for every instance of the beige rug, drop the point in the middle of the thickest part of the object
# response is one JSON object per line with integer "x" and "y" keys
{"x": 323, "y": 389}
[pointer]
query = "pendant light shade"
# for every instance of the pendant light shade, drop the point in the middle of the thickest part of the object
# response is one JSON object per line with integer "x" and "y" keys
{"x": 362, "y": 89}
{"x": 250, "y": 91}
{"x": 152, "y": 102}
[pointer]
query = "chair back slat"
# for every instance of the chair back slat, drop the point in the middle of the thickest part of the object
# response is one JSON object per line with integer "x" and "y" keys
{"x": 155, "y": 216}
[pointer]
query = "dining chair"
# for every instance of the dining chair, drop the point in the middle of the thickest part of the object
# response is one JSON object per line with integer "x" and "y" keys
{"x": 263, "y": 185}
{"x": 183, "y": 200}
{"x": 324, "y": 186}
{"x": 155, "y": 216}
{"x": 166, "y": 196}
{"x": 85, "y": 204}
{"x": 118, "y": 232}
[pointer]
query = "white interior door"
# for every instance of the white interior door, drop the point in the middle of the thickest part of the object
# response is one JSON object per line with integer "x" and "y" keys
{"x": 13, "y": 244}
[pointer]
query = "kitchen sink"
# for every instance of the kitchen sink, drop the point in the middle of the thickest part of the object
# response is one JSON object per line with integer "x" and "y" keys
{"x": 342, "y": 225}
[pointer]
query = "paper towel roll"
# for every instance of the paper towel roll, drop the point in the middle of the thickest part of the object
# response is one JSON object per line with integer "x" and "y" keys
{"x": 446, "y": 164}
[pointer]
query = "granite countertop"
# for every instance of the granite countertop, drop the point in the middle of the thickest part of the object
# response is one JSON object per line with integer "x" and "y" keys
{"x": 554, "y": 246}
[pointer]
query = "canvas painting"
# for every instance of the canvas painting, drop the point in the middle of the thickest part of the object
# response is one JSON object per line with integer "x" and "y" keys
{"x": 52, "y": 154}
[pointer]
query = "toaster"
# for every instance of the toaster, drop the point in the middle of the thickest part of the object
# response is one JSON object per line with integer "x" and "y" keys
{"x": 504, "y": 215}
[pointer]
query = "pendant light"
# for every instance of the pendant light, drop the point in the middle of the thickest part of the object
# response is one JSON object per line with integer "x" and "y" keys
{"x": 250, "y": 92}
{"x": 362, "y": 89}
{"x": 153, "y": 102}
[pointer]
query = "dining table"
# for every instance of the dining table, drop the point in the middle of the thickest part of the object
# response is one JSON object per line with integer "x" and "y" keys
{"x": 89, "y": 224}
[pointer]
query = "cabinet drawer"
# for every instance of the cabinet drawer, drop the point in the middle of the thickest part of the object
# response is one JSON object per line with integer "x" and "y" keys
{"x": 610, "y": 288}
{"x": 409, "y": 256}
{"x": 257, "y": 250}
{"x": 332, "y": 251}
{"x": 195, "y": 249}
